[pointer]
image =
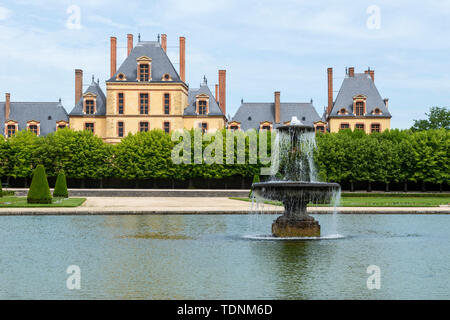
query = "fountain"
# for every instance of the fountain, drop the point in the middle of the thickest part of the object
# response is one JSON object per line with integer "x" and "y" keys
{"x": 294, "y": 181}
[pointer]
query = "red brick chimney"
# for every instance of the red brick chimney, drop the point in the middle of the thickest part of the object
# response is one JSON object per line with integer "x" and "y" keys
{"x": 351, "y": 72}
{"x": 78, "y": 85}
{"x": 277, "y": 106}
{"x": 222, "y": 91}
{"x": 217, "y": 92}
{"x": 129, "y": 43}
{"x": 164, "y": 42}
{"x": 372, "y": 74}
{"x": 182, "y": 59}
{"x": 113, "y": 56}
{"x": 7, "y": 105}
{"x": 330, "y": 90}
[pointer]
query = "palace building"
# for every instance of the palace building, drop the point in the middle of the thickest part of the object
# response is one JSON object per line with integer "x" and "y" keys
{"x": 146, "y": 92}
{"x": 270, "y": 115}
{"x": 358, "y": 104}
{"x": 41, "y": 118}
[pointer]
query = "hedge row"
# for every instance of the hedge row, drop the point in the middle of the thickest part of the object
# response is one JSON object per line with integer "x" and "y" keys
{"x": 396, "y": 156}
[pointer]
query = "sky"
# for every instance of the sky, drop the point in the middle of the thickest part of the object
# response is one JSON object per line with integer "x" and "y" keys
{"x": 265, "y": 46}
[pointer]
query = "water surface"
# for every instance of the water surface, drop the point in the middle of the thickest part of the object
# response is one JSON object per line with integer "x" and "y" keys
{"x": 211, "y": 257}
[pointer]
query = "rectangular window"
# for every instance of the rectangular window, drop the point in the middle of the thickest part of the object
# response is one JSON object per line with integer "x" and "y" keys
{"x": 11, "y": 130}
{"x": 89, "y": 126}
{"x": 143, "y": 103}
{"x": 167, "y": 127}
{"x": 61, "y": 126}
{"x": 320, "y": 129}
{"x": 143, "y": 126}
{"x": 202, "y": 107}
{"x": 266, "y": 127}
{"x": 375, "y": 127}
{"x": 345, "y": 126}
{"x": 144, "y": 72}
{"x": 359, "y": 108}
{"x": 166, "y": 103}
{"x": 120, "y": 103}
{"x": 359, "y": 126}
{"x": 204, "y": 127}
{"x": 89, "y": 106}
{"x": 33, "y": 128}
{"x": 120, "y": 129}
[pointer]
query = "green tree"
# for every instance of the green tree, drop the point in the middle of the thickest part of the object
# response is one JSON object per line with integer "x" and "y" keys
{"x": 39, "y": 191}
{"x": 20, "y": 154}
{"x": 438, "y": 117}
{"x": 61, "y": 186}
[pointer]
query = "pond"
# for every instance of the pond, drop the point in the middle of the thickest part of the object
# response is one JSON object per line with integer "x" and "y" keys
{"x": 219, "y": 257}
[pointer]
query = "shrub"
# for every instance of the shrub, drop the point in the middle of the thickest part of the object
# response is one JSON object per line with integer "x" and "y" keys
{"x": 61, "y": 186}
{"x": 39, "y": 190}
{"x": 1, "y": 191}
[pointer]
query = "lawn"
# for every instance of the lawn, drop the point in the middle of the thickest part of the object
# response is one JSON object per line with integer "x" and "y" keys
{"x": 21, "y": 202}
{"x": 381, "y": 201}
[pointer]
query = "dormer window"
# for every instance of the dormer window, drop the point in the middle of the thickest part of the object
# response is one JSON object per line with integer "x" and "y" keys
{"x": 11, "y": 127}
{"x": 377, "y": 111}
{"x": 33, "y": 126}
{"x": 359, "y": 108}
{"x": 359, "y": 105}
{"x": 121, "y": 77}
{"x": 166, "y": 77}
{"x": 342, "y": 111}
{"x": 202, "y": 104}
{"x": 144, "y": 69}
{"x": 89, "y": 106}
{"x": 61, "y": 124}
{"x": 265, "y": 125}
{"x": 89, "y": 103}
{"x": 234, "y": 126}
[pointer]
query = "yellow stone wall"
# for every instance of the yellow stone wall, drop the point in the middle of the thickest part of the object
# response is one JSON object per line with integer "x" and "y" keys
{"x": 334, "y": 123}
{"x": 107, "y": 127}
{"x": 77, "y": 123}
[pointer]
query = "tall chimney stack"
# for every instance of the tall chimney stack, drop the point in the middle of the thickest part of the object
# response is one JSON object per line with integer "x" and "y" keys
{"x": 113, "y": 56}
{"x": 182, "y": 58}
{"x": 78, "y": 85}
{"x": 372, "y": 74}
{"x": 164, "y": 42}
{"x": 222, "y": 91}
{"x": 330, "y": 90}
{"x": 7, "y": 105}
{"x": 129, "y": 43}
{"x": 217, "y": 92}
{"x": 277, "y": 106}
{"x": 351, "y": 72}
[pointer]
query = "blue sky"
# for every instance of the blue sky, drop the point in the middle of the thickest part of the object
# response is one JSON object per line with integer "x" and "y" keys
{"x": 263, "y": 45}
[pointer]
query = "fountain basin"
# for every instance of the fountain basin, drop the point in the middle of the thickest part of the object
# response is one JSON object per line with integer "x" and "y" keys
{"x": 295, "y": 195}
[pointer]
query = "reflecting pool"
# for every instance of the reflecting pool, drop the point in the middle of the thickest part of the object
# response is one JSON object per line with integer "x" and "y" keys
{"x": 223, "y": 257}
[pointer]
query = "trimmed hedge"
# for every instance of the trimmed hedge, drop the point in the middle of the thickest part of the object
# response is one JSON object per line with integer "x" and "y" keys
{"x": 39, "y": 191}
{"x": 61, "y": 186}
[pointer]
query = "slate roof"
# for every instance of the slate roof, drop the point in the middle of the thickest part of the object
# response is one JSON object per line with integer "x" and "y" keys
{"x": 160, "y": 63}
{"x": 250, "y": 114}
{"x": 47, "y": 113}
{"x": 100, "y": 109}
{"x": 214, "y": 109}
{"x": 360, "y": 83}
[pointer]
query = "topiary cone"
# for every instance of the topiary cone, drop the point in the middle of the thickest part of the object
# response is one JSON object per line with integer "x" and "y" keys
{"x": 61, "y": 186}
{"x": 39, "y": 191}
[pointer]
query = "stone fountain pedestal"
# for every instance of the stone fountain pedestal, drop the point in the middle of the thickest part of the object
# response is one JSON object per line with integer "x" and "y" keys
{"x": 295, "y": 222}
{"x": 284, "y": 227}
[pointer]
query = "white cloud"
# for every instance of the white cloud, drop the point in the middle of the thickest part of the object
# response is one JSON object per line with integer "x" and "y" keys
{"x": 106, "y": 21}
{"x": 4, "y": 13}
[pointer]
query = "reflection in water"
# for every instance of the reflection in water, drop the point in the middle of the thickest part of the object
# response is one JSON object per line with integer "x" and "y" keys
{"x": 201, "y": 257}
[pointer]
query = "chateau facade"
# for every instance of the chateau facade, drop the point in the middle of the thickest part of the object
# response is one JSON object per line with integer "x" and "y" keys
{"x": 145, "y": 93}
{"x": 358, "y": 104}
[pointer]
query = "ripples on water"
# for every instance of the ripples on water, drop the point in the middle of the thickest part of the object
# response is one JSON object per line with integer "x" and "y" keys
{"x": 201, "y": 257}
